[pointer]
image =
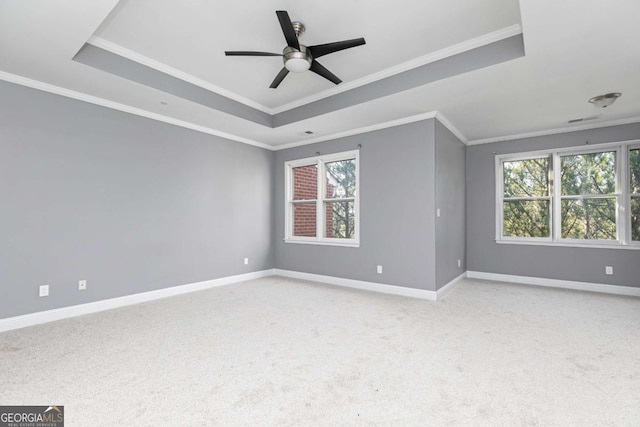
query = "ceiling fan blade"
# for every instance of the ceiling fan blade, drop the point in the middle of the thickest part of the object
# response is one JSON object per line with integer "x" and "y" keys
{"x": 249, "y": 53}
{"x": 317, "y": 68}
{"x": 279, "y": 78}
{"x": 324, "y": 49}
{"x": 287, "y": 29}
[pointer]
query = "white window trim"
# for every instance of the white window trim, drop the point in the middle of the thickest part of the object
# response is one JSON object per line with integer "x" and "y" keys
{"x": 622, "y": 196}
{"x": 632, "y": 146}
{"x": 319, "y": 201}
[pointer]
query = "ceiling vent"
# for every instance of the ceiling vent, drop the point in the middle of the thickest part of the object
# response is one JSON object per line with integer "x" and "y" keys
{"x": 583, "y": 119}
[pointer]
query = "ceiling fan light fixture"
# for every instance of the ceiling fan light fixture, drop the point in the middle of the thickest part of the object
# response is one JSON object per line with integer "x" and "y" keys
{"x": 297, "y": 65}
{"x": 603, "y": 101}
{"x": 297, "y": 61}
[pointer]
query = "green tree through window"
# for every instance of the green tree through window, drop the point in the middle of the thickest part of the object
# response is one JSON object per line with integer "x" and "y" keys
{"x": 526, "y": 201}
{"x": 588, "y": 200}
{"x": 634, "y": 174}
{"x": 340, "y": 199}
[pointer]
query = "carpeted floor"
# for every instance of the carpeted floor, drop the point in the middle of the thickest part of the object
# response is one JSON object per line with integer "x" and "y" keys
{"x": 278, "y": 351}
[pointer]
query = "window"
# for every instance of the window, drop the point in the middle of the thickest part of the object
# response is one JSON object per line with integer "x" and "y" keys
{"x": 322, "y": 200}
{"x": 526, "y": 199}
{"x": 570, "y": 196}
{"x": 634, "y": 190}
{"x": 588, "y": 200}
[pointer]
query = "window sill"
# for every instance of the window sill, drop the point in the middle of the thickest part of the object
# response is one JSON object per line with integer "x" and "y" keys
{"x": 632, "y": 247}
{"x": 351, "y": 244}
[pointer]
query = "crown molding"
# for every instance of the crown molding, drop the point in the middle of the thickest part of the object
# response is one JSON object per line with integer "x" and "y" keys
{"x": 467, "y": 45}
{"x": 392, "y": 123}
{"x": 365, "y": 129}
{"x": 46, "y": 87}
{"x": 555, "y": 131}
{"x": 454, "y": 130}
{"x": 174, "y": 72}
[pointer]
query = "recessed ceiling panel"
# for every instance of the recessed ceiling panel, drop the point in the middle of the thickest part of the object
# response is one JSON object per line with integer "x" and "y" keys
{"x": 192, "y": 36}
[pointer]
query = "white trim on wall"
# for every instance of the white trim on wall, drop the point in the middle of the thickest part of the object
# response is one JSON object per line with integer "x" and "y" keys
{"x": 46, "y": 87}
{"x": 174, "y": 72}
{"x": 459, "y": 48}
{"x": 555, "y": 131}
{"x": 555, "y": 283}
{"x": 462, "y": 47}
{"x": 378, "y": 126}
{"x": 357, "y": 131}
{"x": 40, "y": 317}
{"x": 449, "y": 125}
{"x": 360, "y": 284}
{"x": 444, "y": 291}
{"x": 37, "y": 318}
{"x": 31, "y": 319}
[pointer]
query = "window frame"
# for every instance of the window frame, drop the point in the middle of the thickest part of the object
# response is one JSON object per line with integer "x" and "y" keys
{"x": 500, "y": 199}
{"x": 622, "y": 196}
{"x": 635, "y": 145}
{"x": 320, "y": 200}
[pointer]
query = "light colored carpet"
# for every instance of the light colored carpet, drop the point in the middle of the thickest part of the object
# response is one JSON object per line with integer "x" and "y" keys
{"x": 278, "y": 351}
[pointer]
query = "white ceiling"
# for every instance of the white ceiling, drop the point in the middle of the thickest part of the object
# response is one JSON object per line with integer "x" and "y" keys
{"x": 575, "y": 49}
{"x": 193, "y": 35}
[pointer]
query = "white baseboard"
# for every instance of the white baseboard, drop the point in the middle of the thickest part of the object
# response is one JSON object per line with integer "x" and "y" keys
{"x": 97, "y": 306}
{"x": 359, "y": 284}
{"x": 555, "y": 283}
{"x": 443, "y": 291}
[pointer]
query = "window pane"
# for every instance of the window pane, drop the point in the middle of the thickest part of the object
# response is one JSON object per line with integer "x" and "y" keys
{"x": 304, "y": 219}
{"x": 526, "y": 218}
{"x": 634, "y": 170}
{"x": 526, "y": 178}
{"x": 589, "y": 173}
{"x": 340, "y": 218}
{"x": 589, "y": 219}
{"x": 341, "y": 179}
{"x": 305, "y": 182}
{"x": 635, "y": 218}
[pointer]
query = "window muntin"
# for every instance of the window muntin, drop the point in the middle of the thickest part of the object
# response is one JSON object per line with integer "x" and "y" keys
{"x": 594, "y": 197}
{"x": 322, "y": 200}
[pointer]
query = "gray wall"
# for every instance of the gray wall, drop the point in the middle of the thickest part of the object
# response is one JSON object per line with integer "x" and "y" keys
{"x": 450, "y": 199}
{"x": 127, "y": 203}
{"x": 397, "y": 218}
{"x": 564, "y": 263}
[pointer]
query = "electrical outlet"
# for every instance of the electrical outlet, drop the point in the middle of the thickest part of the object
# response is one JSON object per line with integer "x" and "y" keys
{"x": 44, "y": 290}
{"x": 246, "y": 261}
{"x": 82, "y": 285}
{"x": 379, "y": 269}
{"x": 438, "y": 212}
{"x": 608, "y": 270}
{"x": 459, "y": 263}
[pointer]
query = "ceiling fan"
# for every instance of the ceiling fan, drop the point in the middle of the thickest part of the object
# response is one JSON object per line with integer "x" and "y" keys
{"x": 298, "y": 57}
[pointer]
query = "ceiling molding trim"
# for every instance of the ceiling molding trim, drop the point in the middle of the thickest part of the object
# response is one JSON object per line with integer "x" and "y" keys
{"x": 365, "y": 129}
{"x": 46, "y": 87}
{"x": 454, "y": 130}
{"x": 456, "y": 49}
{"x": 555, "y": 131}
{"x": 174, "y": 72}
